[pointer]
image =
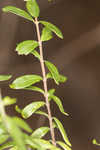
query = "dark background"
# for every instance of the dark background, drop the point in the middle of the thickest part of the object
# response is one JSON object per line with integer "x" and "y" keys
{"x": 77, "y": 57}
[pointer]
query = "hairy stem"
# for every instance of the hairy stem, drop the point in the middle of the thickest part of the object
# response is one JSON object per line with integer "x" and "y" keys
{"x": 45, "y": 83}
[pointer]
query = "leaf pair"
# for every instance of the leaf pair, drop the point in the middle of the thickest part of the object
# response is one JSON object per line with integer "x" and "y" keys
{"x": 32, "y": 8}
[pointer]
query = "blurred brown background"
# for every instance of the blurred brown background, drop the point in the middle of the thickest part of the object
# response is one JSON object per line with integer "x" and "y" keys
{"x": 77, "y": 57}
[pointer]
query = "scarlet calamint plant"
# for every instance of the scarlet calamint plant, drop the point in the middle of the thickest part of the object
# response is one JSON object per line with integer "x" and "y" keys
{"x": 12, "y": 135}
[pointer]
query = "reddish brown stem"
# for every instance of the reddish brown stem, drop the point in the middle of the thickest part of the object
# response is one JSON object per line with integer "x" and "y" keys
{"x": 45, "y": 82}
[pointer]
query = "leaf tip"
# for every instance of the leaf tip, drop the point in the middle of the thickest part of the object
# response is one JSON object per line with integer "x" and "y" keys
{"x": 4, "y": 9}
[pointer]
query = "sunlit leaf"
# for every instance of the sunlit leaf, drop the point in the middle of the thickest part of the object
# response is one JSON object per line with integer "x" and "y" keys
{"x": 59, "y": 104}
{"x": 62, "y": 131}
{"x": 41, "y": 113}
{"x": 5, "y": 77}
{"x": 46, "y": 34}
{"x": 36, "y": 54}
{"x": 53, "y": 28}
{"x": 9, "y": 101}
{"x": 53, "y": 70}
{"x": 40, "y": 132}
{"x": 95, "y": 142}
{"x": 25, "y": 81}
{"x": 26, "y": 47}
{"x": 15, "y": 133}
{"x": 63, "y": 145}
{"x": 31, "y": 108}
{"x": 18, "y": 12}
{"x": 22, "y": 124}
{"x": 35, "y": 88}
{"x": 33, "y": 8}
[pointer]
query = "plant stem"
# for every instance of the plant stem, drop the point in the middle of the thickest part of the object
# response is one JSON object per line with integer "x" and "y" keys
{"x": 45, "y": 82}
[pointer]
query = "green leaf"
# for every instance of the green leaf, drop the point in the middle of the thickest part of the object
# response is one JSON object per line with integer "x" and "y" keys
{"x": 36, "y": 54}
{"x": 63, "y": 145}
{"x": 18, "y": 109}
{"x": 29, "y": 142}
{"x": 46, "y": 34}
{"x": 15, "y": 133}
{"x": 25, "y": 81}
{"x": 59, "y": 104}
{"x": 62, "y": 78}
{"x": 3, "y": 138}
{"x": 51, "y": 92}
{"x": 22, "y": 124}
{"x": 14, "y": 148}
{"x": 9, "y": 101}
{"x": 5, "y": 77}
{"x": 41, "y": 113}
{"x": 44, "y": 144}
{"x": 35, "y": 88}
{"x": 33, "y": 8}
{"x": 95, "y": 142}
{"x": 40, "y": 132}
{"x": 53, "y": 70}
{"x": 31, "y": 108}
{"x": 53, "y": 28}
{"x": 6, "y": 145}
{"x": 62, "y": 131}
{"x": 26, "y": 47}
{"x": 18, "y": 12}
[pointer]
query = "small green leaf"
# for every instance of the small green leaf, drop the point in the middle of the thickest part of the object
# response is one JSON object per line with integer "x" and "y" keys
{"x": 36, "y": 54}
{"x": 63, "y": 145}
{"x": 41, "y": 113}
{"x": 22, "y": 124}
{"x": 31, "y": 108}
{"x": 53, "y": 28}
{"x": 46, "y": 34}
{"x": 18, "y": 12}
{"x": 25, "y": 81}
{"x": 62, "y": 131}
{"x": 26, "y": 47}
{"x": 95, "y": 142}
{"x": 53, "y": 70}
{"x": 33, "y": 8}
{"x": 15, "y": 133}
{"x": 9, "y": 101}
{"x": 35, "y": 88}
{"x": 40, "y": 132}
{"x": 51, "y": 92}
{"x": 18, "y": 109}
{"x": 59, "y": 104}
{"x": 5, "y": 77}
{"x": 62, "y": 78}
